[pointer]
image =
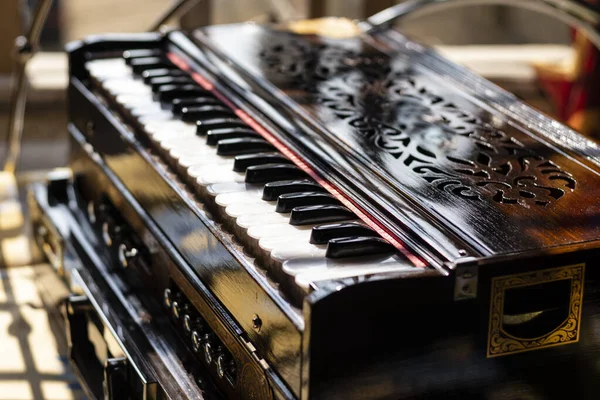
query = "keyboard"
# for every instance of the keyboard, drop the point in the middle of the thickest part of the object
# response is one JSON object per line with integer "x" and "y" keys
{"x": 298, "y": 232}
{"x": 333, "y": 217}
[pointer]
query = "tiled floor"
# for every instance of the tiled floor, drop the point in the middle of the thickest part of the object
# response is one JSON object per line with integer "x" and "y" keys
{"x": 33, "y": 356}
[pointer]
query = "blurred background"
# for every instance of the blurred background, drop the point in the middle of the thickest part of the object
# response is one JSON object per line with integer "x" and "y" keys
{"x": 530, "y": 54}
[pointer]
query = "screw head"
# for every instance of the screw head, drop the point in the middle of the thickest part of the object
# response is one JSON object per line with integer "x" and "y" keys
{"x": 256, "y": 322}
{"x": 42, "y": 231}
{"x": 90, "y": 128}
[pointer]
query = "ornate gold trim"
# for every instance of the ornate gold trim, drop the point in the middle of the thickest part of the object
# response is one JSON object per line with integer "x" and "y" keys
{"x": 501, "y": 343}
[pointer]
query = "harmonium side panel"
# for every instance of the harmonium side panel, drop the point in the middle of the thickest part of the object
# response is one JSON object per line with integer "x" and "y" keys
{"x": 531, "y": 331}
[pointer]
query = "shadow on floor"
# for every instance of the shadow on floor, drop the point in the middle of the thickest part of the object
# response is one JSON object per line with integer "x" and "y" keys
{"x": 33, "y": 352}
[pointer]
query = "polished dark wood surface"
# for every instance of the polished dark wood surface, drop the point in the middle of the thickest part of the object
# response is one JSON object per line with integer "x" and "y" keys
{"x": 181, "y": 224}
{"x": 436, "y": 350}
{"x": 477, "y": 182}
{"x": 110, "y": 315}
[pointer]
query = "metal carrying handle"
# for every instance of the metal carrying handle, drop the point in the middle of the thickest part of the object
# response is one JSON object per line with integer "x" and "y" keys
{"x": 577, "y": 15}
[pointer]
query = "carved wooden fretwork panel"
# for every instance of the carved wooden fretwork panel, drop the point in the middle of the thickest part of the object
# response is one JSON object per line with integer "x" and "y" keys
{"x": 398, "y": 113}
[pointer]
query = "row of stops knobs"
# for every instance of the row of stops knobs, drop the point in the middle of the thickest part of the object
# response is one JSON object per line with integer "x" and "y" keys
{"x": 203, "y": 341}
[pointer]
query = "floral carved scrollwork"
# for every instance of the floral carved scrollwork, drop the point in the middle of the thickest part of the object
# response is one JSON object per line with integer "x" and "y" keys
{"x": 397, "y": 114}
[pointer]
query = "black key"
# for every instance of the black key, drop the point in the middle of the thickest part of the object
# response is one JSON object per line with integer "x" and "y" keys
{"x": 196, "y": 113}
{"x": 150, "y": 74}
{"x": 156, "y": 83}
{"x": 322, "y": 234}
{"x": 287, "y": 202}
{"x": 139, "y": 65}
{"x": 356, "y": 246}
{"x": 273, "y": 190}
{"x": 234, "y": 147}
{"x": 241, "y": 163}
{"x": 168, "y": 93}
{"x": 179, "y": 104}
{"x": 213, "y": 136}
{"x": 311, "y": 215}
{"x": 130, "y": 55}
{"x": 273, "y": 172}
{"x": 203, "y": 126}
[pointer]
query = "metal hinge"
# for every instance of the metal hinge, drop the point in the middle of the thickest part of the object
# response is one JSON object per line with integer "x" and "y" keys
{"x": 255, "y": 355}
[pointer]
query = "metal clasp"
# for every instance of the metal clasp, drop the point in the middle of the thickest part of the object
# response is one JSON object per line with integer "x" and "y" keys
{"x": 465, "y": 286}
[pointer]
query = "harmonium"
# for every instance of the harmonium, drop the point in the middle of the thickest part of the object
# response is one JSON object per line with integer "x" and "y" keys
{"x": 263, "y": 212}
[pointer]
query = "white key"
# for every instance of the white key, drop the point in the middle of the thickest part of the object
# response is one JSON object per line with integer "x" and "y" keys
{"x": 202, "y": 156}
{"x": 143, "y": 110}
{"x": 246, "y": 197}
{"x": 246, "y": 221}
{"x": 165, "y": 130}
{"x": 204, "y": 175}
{"x": 185, "y": 162}
{"x": 100, "y": 69}
{"x": 200, "y": 152}
{"x": 306, "y": 271}
{"x": 191, "y": 157}
{"x": 126, "y": 86}
{"x": 125, "y": 83}
{"x": 168, "y": 140}
{"x": 160, "y": 139}
{"x": 285, "y": 250}
{"x": 130, "y": 101}
{"x": 182, "y": 142}
{"x": 263, "y": 238}
{"x": 240, "y": 209}
{"x": 109, "y": 69}
{"x": 294, "y": 239}
{"x": 161, "y": 116}
{"x": 230, "y": 187}
{"x": 298, "y": 266}
{"x": 284, "y": 230}
{"x": 106, "y": 63}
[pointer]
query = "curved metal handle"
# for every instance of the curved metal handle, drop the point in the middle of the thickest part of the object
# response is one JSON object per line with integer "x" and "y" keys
{"x": 25, "y": 47}
{"x": 178, "y": 8}
{"x": 572, "y": 13}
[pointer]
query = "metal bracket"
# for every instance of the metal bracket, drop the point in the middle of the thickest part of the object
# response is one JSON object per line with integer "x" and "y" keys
{"x": 254, "y": 353}
{"x": 465, "y": 284}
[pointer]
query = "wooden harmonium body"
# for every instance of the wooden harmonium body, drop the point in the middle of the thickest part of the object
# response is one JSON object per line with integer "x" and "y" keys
{"x": 351, "y": 218}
